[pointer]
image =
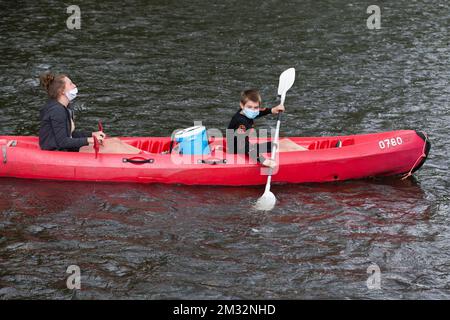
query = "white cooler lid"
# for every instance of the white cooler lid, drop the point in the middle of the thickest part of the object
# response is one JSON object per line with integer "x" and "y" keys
{"x": 189, "y": 132}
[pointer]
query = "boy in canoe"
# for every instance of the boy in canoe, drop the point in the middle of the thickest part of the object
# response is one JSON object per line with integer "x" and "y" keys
{"x": 242, "y": 126}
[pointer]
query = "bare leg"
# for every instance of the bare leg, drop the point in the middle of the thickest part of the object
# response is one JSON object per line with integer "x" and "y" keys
{"x": 287, "y": 145}
{"x": 113, "y": 145}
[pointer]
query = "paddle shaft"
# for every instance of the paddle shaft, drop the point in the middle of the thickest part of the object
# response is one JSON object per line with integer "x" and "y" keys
{"x": 275, "y": 145}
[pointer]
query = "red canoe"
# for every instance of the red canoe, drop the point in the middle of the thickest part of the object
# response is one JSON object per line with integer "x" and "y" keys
{"x": 328, "y": 159}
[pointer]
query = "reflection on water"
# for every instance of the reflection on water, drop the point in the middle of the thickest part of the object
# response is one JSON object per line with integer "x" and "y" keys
{"x": 157, "y": 241}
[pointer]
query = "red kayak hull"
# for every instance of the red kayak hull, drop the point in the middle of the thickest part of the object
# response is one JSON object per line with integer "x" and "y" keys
{"x": 327, "y": 159}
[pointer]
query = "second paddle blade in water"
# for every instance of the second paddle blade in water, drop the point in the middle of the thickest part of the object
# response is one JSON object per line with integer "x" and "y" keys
{"x": 266, "y": 202}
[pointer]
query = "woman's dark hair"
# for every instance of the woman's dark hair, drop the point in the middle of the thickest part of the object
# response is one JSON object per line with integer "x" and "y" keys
{"x": 53, "y": 83}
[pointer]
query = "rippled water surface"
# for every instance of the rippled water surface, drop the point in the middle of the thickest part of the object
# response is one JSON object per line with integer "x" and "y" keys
{"x": 146, "y": 68}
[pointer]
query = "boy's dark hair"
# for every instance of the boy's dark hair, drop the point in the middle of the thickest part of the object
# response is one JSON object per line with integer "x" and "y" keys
{"x": 252, "y": 95}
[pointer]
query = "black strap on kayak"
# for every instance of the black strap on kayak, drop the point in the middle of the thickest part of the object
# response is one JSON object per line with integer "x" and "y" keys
{"x": 212, "y": 161}
{"x": 171, "y": 145}
{"x": 137, "y": 160}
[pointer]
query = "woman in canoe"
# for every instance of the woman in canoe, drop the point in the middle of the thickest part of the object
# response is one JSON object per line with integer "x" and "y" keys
{"x": 242, "y": 127}
{"x": 57, "y": 130}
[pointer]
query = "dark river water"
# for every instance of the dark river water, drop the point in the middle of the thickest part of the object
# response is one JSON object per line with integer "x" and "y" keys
{"x": 146, "y": 68}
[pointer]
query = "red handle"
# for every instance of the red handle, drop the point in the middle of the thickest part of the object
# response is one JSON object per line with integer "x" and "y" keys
{"x": 100, "y": 127}
{"x": 96, "y": 146}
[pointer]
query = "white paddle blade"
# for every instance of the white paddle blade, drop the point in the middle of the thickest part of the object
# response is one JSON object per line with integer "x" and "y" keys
{"x": 287, "y": 79}
{"x": 266, "y": 202}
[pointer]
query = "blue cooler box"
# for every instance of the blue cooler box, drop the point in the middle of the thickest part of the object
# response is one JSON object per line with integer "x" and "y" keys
{"x": 193, "y": 140}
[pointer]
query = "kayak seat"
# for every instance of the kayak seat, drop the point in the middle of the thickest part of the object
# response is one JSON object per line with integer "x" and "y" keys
{"x": 150, "y": 145}
{"x": 330, "y": 143}
{"x": 348, "y": 142}
{"x": 321, "y": 144}
{"x": 28, "y": 145}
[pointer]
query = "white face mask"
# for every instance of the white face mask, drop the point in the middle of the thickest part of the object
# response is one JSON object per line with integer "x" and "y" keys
{"x": 250, "y": 113}
{"x": 71, "y": 94}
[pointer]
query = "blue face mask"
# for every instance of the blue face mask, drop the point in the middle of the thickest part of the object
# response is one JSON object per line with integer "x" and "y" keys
{"x": 250, "y": 113}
